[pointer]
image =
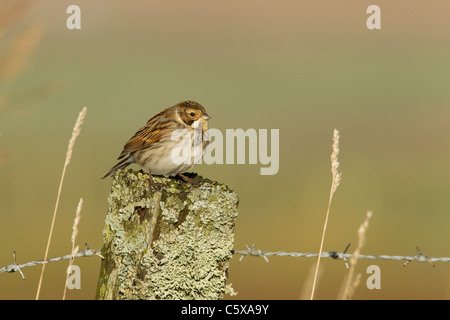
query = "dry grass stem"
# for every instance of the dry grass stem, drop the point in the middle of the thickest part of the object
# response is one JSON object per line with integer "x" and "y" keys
{"x": 14, "y": 61}
{"x": 76, "y": 222}
{"x": 73, "y": 238}
{"x": 336, "y": 179}
{"x": 349, "y": 286}
{"x": 12, "y": 11}
{"x": 306, "y": 292}
{"x": 353, "y": 286}
{"x": 75, "y": 133}
{"x": 17, "y": 50}
{"x": 335, "y": 164}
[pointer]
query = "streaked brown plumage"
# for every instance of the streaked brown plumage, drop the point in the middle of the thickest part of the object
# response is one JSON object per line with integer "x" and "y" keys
{"x": 153, "y": 146}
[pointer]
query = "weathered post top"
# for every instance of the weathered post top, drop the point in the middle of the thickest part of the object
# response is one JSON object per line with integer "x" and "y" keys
{"x": 170, "y": 244}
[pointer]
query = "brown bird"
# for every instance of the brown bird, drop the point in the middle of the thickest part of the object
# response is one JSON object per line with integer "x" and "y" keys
{"x": 170, "y": 143}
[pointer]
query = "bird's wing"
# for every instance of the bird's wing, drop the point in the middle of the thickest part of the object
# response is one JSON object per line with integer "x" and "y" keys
{"x": 146, "y": 136}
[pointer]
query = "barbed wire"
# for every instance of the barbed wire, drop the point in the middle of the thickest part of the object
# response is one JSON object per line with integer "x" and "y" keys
{"x": 86, "y": 252}
{"x": 252, "y": 252}
{"x": 338, "y": 255}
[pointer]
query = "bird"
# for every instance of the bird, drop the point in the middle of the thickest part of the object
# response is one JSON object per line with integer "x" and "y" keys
{"x": 170, "y": 143}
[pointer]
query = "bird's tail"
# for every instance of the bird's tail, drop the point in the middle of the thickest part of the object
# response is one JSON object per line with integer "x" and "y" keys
{"x": 122, "y": 164}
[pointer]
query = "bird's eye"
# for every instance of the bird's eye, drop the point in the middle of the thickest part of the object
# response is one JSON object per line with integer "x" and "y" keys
{"x": 192, "y": 114}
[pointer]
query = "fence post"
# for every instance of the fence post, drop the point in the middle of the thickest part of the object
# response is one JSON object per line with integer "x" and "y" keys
{"x": 170, "y": 244}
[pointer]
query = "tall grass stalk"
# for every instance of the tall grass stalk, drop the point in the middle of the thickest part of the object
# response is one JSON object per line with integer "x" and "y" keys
{"x": 75, "y": 133}
{"x": 350, "y": 286}
{"x": 73, "y": 238}
{"x": 334, "y": 184}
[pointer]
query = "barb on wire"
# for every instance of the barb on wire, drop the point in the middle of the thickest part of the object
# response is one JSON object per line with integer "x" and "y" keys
{"x": 337, "y": 255}
{"x": 16, "y": 266}
{"x": 86, "y": 252}
{"x": 252, "y": 252}
{"x": 422, "y": 258}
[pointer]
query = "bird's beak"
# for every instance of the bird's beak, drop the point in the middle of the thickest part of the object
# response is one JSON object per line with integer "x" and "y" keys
{"x": 206, "y": 117}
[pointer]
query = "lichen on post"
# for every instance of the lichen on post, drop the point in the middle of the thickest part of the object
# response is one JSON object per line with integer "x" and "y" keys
{"x": 170, "y": 244}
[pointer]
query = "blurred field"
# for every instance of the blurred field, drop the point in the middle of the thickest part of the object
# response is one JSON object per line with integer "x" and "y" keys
{"x": 303, "y": 67}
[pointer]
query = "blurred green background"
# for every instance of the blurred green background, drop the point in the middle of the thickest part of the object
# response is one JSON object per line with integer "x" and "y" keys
{"x": 303, "y": 67}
